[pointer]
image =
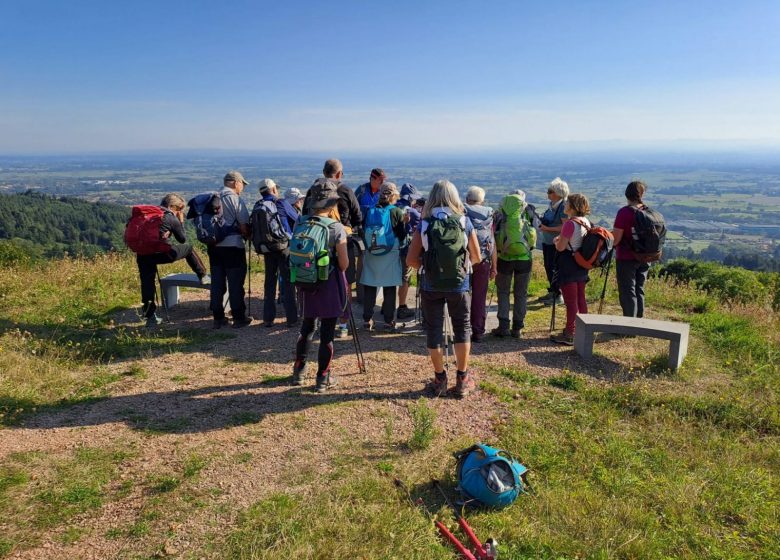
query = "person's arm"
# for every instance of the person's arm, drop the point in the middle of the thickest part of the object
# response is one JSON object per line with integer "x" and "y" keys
{"x": 562, "y": 240}
{"x": 174, "y": 223}
{"x": 355, "y": 216}
{"x": 475, "y": 255}
{"x": 617, "y": 233}
{"x": 414, "y": 256}
{"x": 342, "y": 255}
{"x": 242, "y": 217}
{"x": 399, "y": 219}
{"x": 494, "y": 263}
{"x": 622, "y": 223}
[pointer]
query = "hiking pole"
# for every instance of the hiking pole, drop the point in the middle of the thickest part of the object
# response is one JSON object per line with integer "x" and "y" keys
{"x": 447, "y": 333}
{"x": 163, "y": 299}
{"x": 446, "y": 533}
{"x": 249, "y": 278}
{"x": 606, "y": 276}
{"x": 488, "y": 551}
{"x": 358, "y": 350}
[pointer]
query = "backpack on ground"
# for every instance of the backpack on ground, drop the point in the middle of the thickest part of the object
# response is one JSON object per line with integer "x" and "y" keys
{"x": 309, "y": 252}
{"x": 444, "y": 259}
{"x": 596, "y": 247}
{"x": 483, "y": 227}
{"x": 490, "y": 476}
{"x": 516, "y": 236}
{"x": 205, "y": 211}
{"x": 648, "y": 234}
{"x": 268, "y": 233}
{"x": 142, "y": 232}
{"x": 378, "y": 232}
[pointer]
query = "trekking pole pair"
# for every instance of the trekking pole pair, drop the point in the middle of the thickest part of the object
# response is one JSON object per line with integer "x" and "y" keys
{"x": 487, "y": 551}
{"x": 353, "y": 327}
{"x": 605, "y": 272}
{"x": 447, "y": 334}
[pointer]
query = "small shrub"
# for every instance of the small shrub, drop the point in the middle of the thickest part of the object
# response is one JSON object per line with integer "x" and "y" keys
{"x": 423, "y": 430}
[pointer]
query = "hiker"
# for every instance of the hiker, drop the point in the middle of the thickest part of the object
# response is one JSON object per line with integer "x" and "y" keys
{"x": 571, "y": 276}
{"x": 551, "y": 224}
{"x": 164, "y": 251}
{"x": 276, "y": 260}
{"x": 318, "y": 259}
{"x": 228, "y": 258}
{"x": 384, "y": 233}
{"x": 446, "y": 247}
{"x": 481, "y": 217}
{"x": 347, "y": 211}
{"x": 515, "y": 240}
{"x": 367, "y": 196}
{"x": 294, "y": 198}
{"x": 407, "y": 202}
{"x": 631, "y": 273}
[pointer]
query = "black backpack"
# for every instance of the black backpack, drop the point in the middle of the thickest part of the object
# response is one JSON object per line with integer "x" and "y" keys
{"x": 268, "y": 233}
{"x": 648, "y": 234}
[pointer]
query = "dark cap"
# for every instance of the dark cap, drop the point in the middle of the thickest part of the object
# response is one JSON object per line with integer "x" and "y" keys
{"x": 323, "y": 194}
{"x": 377, "y": 172}
{"x": 409, "y": 193}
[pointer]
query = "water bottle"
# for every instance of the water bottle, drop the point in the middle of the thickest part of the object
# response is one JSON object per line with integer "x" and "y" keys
{"x": 322, "y": 266}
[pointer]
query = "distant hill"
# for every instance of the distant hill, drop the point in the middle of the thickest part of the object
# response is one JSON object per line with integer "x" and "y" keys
{"x": 45, "y": 226}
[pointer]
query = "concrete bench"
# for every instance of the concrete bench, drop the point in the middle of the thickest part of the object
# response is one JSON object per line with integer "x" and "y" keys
{"x": 171, "y": 283}
{"x": 589, "y": 324}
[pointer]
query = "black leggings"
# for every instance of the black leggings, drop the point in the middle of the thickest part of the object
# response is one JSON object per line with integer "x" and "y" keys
{"x": 325, "y": 354}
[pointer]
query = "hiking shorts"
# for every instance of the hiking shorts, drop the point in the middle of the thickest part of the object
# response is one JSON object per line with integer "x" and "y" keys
{"x": 458, "y": 305}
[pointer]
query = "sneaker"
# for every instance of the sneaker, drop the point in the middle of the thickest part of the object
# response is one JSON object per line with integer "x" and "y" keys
{"x": 342, "y": 331}
{"x": 465, "y": 384}
{"x": 242, "y": 322}
{"x": 204, "y": 280}
{"x": 563, "y": 338}
{"x": 368, "y": 325}
{"x": 439, "y": 384}
{"x": 153, "y": 321}
{"x": 516, "y": 333}
{"x": 404, "y": 313}
{"x": 299, "y": 373}
{"x": 324, "y": 382}
{"x": 500, "y": 332}
{"x": 219, "y": 323}
{"x": 558, "y": 300}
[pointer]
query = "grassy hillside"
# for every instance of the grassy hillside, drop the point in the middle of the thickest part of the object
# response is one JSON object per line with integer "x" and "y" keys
{"x": 181, "y": 443}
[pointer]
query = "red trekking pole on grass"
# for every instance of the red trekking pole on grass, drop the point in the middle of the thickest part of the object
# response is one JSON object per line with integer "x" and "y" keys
{"x": 481, "y": 552}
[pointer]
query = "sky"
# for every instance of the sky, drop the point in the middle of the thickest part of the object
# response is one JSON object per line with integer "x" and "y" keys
{"x": 82, "y": 75}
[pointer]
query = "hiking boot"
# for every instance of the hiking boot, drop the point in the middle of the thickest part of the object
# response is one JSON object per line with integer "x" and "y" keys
{"x": 324, "y": 382}
{"x": 546, "y": 297}
{"x": 153, "y": 321}
{"x": 465, "y": 384}
{"x": 204, "y": 280}
{"x": 219, "y": 323}
{"x": 241, "y": 322}
{"x": 501, "y": 332}
{"x": 342, "y": 331}
{"x": 516, "y": 333}
{"x": 299, "y": 373}
{"x": 439, "y": 384}
{"x": 558, "y": 300}
{"x": 404, "y": 313}
{"x": 563, "y": 338}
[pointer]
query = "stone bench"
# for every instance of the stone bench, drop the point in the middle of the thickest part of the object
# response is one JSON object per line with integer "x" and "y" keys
{"x": 589, "y": 324}
{"x": 171, "y": 283}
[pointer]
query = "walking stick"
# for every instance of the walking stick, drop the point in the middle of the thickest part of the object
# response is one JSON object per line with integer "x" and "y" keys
{"x": 249, "y": 277}
{"x": 447, "y": 333}
{"x": 606, "y": 276}
{"x": 355, "y": 339}
{"x": 556, "y": 291}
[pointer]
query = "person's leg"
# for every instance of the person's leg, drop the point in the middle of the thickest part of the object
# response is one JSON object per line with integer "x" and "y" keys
{"x": 625, "y": 271}
{"x": 325, "y": 378}
{"x": 403, "y": 289}
{"x": 187, "y": 252}
{"x": 301, "y": 348}
{"x": 582, "y": 303}
{"x": 522, "y": 279}
{"x": 458, "y": 307}
{"x": 388, "y": 305}
{"x": 288, "y": 293}
{"x": 147, "y": 272}
{"x": 640, "y": 279}
{"x": 218, "y": 283}
{"x": 369, "y": 301}
{"x": 236, "y": 275}
{"x": 480, "y": 279}
{"x": 548, "y": 253}
{"x": 571, "y": 299}
{"x": 271, "y": 262}
{"x": 503, "y": 284}
{"x": 432, "y": 304}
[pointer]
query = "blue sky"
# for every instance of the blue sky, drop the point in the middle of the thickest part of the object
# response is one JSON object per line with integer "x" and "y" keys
{"x": 404, "y": 76}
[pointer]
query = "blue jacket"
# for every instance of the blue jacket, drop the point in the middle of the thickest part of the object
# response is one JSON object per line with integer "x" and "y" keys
{"x": 287, "y": 213}
{"x": 366, "y": 199}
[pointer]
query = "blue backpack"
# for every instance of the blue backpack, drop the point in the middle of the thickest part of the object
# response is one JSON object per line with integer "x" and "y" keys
{"x": 206, "y": 215}
{"x": 377, "y": 231}
{"x": 490, "y": 476}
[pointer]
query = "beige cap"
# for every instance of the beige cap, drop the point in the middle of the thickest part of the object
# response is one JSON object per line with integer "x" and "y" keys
{"x": 235, "y": 176}
{"x": 266, "y": 185}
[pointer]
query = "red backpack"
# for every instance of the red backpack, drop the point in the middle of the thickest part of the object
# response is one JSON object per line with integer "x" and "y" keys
{"x": 596, "y": 248}
{"x": 142, "y": 233}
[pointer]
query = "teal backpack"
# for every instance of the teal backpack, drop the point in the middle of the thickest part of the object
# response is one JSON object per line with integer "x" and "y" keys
{"x": 378, "y": 232}
{"x": 309, "y": 252}
{"x": 489, "y": 476}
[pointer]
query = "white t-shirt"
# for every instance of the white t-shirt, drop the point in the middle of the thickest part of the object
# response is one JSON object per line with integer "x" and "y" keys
{"x": 575, "y": 232}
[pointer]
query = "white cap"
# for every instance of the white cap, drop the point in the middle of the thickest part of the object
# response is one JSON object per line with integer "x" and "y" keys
{"x": 266, "y": 185}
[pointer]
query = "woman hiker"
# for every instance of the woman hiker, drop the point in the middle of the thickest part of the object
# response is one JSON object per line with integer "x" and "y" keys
{"x": 551, "y": 224}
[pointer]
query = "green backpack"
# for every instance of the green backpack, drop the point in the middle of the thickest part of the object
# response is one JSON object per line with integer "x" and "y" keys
{"x": 445, "y": 258}
{"x": 309, "y": 252}
{"x": 516, "y": 236}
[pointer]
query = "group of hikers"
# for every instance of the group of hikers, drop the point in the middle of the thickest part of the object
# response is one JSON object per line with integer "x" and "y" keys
{"x": 317, "y": 245}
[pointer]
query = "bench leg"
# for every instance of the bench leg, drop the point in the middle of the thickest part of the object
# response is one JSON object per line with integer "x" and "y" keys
{"x": 678, "y": 348}
{"x": 171, "y": 294}
{"x": 583, "y": 342}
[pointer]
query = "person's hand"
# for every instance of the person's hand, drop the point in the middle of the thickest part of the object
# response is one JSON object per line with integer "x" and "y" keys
{"x": 406, "y": 217}
{"x": 180, "y": 215}
{"x": 555, "y": 239}
{"x": 493, "y": 272}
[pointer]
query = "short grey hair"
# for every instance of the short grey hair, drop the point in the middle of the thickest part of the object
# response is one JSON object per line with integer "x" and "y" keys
{"x": 443, "y": 194}
{"x": 475, "y": 195}
{"x": 559, "y": 187}
{"x": 331, "y": 168}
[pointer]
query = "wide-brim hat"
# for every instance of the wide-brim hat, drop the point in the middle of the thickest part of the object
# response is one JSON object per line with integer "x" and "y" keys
{"x": 323, "y": 194}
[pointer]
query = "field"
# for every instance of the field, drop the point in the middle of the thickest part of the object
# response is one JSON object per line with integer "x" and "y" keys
{"x": 118, "y": 442}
